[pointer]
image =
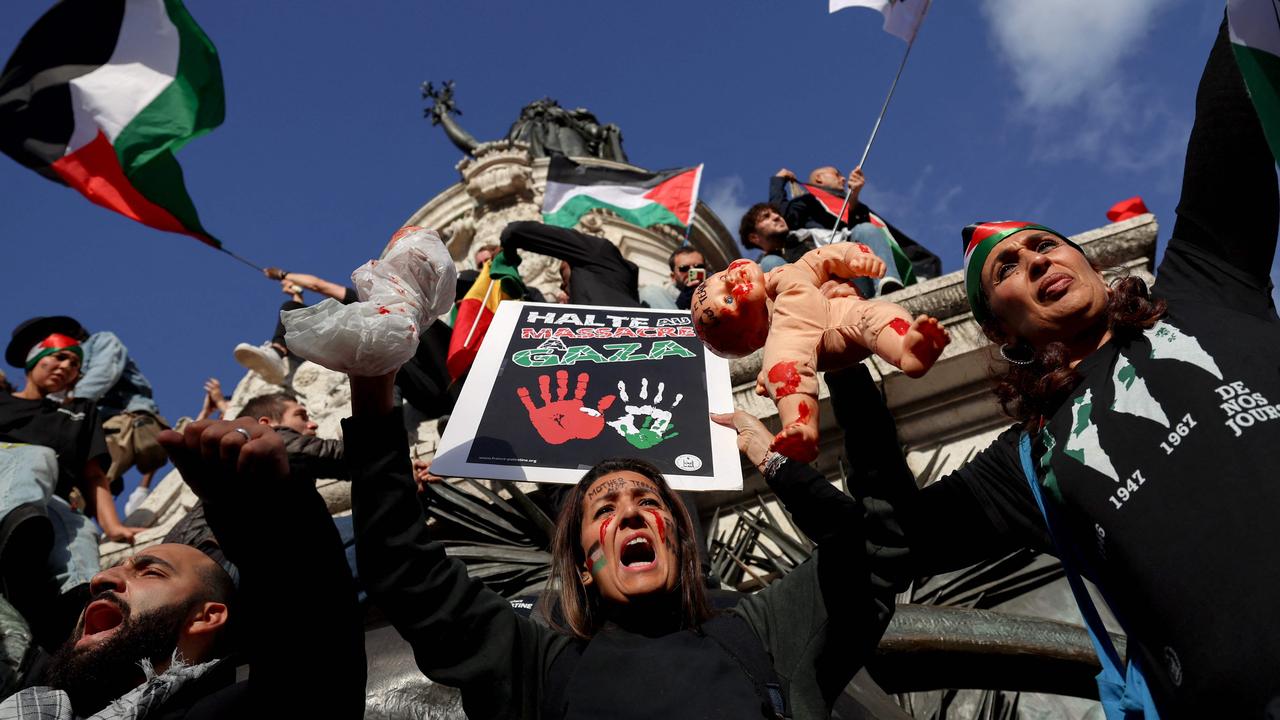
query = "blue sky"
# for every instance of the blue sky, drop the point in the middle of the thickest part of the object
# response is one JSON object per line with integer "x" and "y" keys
{"x": 1028, "y": 109}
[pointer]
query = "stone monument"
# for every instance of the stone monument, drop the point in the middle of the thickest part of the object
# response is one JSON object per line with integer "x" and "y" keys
{"x": 944, "y": 419}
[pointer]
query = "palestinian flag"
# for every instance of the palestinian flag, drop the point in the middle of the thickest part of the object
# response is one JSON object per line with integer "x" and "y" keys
{"x": 99, "y": 95}
{"x": 831, "y": 202}
{"x": 901, "y": 262}
{"x": 666, "y": 197}
{"x": 1254, "y": 26}
{"x": 498, "y": 281}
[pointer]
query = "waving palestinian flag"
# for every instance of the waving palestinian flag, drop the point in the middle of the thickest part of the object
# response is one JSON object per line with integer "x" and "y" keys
{"x": 666, "y": 197}
{"x": 1254, "y": 26}
{"x": 831, "y": 202}
{"x": 99, "y": 95}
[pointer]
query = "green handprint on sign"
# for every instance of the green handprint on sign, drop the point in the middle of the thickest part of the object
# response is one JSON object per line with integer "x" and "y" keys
{"x": 656, "y": 424}
{"x": 646, "y": 436}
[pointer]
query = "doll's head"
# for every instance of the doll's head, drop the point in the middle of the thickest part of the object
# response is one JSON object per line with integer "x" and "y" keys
{"x": 731, "y": 310}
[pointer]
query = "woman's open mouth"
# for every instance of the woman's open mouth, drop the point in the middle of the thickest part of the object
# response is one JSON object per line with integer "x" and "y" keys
{"x": 638, "y": 554}
{"x": 101, "y": 619}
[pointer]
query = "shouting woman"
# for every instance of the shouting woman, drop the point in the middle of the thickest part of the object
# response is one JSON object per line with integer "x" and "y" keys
{"x": 631, "y": 633}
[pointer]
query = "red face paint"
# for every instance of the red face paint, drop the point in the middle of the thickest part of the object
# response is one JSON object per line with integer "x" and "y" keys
{"x": 900, "y": 326}
{"x": 804, "y": 413}
{"x": 604, "y": 529}
{"x": 784, "y": 375}
{"x": 662, "y": 525}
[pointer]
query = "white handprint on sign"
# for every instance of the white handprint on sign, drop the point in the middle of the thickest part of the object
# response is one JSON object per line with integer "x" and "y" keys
{"x": 655, "y": 423}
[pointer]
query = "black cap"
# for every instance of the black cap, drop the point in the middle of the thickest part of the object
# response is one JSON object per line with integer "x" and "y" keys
{"x": 32, "y": 331}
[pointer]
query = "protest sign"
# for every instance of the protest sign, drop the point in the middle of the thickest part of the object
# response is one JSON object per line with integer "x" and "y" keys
{"x": 558, "y": 388}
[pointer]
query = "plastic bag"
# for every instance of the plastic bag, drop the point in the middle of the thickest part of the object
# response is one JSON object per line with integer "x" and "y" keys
{"x": 412, "y": 285}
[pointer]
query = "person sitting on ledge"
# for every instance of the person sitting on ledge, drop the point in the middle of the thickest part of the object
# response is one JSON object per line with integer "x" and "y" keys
{"x": 48, "y": 447}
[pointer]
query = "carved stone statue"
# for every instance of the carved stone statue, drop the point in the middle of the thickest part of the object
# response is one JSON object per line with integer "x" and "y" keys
{"x": 543, "y": 125}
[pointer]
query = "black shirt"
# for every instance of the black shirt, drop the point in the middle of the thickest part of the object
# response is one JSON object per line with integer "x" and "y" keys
{"x": 72, "y": 431}
{"x": 1162, "y": 463}
{"x": 599, "y": 275}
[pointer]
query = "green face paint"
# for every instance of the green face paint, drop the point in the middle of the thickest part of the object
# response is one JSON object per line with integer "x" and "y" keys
{"x": 598, "y": 560}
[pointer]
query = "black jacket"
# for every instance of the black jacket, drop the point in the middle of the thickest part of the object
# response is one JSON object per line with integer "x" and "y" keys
{"x": 313, "y": 458}
{"x": 600, "y": 275}
{"x": 299, "y": 626}
{"x": 818, "y": 624}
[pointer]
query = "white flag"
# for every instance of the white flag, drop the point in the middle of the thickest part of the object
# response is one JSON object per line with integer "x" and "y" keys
{"x": 901, "y": 17}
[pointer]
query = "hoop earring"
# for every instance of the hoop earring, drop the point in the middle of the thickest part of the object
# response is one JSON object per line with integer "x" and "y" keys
{"x": 1004, "y": 353}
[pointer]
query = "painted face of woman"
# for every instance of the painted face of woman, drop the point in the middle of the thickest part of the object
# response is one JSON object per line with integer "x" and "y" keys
{"x": 628, "y": 538}
{"x": 56, "y": 372}
{"x": 1042, "y": 290}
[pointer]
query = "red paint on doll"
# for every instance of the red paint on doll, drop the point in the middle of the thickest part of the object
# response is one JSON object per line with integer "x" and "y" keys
{"x": 739, "y": 263}
{"x": 382, "y": 310}
{"x": 740, "y": 290}
{"x": 662, "y": 525}
{"x": 784, "y": 375}
{"x": 900, "y": 326}
{"x": 803, "y": 415}
{"x": 864, "y": 248}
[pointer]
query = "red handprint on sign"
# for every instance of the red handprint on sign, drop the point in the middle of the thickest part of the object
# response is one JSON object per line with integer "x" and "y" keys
{"x": 563, "y": 420}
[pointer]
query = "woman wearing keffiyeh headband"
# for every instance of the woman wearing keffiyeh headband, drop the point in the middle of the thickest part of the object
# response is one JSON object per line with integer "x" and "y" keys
{"x": 1148, "y": 428}
{"x": 62, "y": 357}
{"x": 48, "y": 447}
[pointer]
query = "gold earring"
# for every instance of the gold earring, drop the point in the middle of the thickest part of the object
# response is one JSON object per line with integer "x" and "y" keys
{"x": 586, "y": 578}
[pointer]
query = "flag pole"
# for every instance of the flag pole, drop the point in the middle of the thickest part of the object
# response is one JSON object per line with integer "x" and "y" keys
{"x": 884, "y": 108}
{"x": 693, "y": 205}
{"x": 246, "y": 262}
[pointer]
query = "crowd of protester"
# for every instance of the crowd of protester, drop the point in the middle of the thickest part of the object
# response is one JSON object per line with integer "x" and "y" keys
{"x": 258, "y": 573}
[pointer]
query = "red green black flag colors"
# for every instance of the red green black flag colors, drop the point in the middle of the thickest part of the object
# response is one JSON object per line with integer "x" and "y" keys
{"x": 99, "y": 95}
{"x": 666, "y": 197}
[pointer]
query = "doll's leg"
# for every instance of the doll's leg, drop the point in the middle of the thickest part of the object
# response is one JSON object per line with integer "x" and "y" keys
{"x": 911, "y": 345}
{"x": 798, "y": 439}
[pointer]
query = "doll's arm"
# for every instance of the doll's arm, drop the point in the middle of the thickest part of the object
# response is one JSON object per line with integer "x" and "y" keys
{"x": 842, "y": 260}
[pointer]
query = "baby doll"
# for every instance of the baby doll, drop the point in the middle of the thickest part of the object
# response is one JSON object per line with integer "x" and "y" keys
{"x": 807, "y": 320}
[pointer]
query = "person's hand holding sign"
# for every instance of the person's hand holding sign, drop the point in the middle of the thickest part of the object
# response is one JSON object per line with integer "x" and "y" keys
{"x": 563, "y": 420}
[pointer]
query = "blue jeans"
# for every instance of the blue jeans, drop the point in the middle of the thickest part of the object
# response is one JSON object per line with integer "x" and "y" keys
{"x": 28, "y": 474}
{"x": 876, "y": 239}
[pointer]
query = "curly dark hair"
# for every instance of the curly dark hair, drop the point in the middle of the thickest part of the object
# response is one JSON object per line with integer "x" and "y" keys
{"x": 749, "y": 220}
{"x": 578, "y": 612}
{"x": 1030, "y": 393}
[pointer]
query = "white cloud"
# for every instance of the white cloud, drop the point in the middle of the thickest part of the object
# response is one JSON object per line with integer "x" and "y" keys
{"x": 726, "y": 196}
{"x": 1060, "y": 51}
{"x": 924, "y": 209}
{"x": 1068, "y": 64}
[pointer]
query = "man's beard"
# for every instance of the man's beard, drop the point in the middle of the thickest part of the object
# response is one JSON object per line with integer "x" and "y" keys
{"x": 94, "y": 676}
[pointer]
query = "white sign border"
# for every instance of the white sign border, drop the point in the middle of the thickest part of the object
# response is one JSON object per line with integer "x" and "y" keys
{"x": 455, "y": 446}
